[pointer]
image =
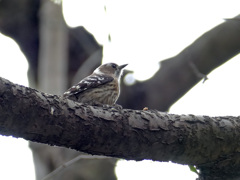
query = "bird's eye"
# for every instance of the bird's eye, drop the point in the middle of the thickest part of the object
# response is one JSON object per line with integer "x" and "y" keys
{"x": 114, "y": 66}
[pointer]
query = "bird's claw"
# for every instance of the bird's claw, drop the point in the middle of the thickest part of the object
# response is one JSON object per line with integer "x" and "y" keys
{"x": 107, "y": 106}
{"x": 117, "y": 106}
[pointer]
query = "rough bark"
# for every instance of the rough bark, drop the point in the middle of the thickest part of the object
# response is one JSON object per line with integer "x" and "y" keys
{"x": 27, "y": 24}
{"x": 52, "y": 78}
{"x": 19, "y": 20}
{"x": 207, "y": 142}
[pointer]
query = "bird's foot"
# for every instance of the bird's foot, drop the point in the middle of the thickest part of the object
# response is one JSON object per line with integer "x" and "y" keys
{"x": 107, "y": 106}
{"x": 117, "y": 106}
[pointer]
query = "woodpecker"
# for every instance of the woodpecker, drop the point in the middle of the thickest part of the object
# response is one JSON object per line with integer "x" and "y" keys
{"x": 99, "y": 88}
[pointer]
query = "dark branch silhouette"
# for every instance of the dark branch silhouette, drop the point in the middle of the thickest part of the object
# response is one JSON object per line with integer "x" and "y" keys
{"x": 180, "y": 73}
{"x": 129, "y": 134}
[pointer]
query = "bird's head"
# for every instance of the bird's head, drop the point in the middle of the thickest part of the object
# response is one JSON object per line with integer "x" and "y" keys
{"x": 111, "y": 69}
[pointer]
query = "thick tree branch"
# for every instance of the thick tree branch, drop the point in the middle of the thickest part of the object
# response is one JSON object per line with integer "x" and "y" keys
{"x": 180, "y": 73}
{"x": 127, "y": 134}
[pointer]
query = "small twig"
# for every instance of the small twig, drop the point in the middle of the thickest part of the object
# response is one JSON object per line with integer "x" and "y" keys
{"x": 69, "y": 163}
{"x": 197, "y": 72}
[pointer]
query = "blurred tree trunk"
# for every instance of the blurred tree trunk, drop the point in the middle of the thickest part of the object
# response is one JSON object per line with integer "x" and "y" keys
{"x": 52, "y": 78}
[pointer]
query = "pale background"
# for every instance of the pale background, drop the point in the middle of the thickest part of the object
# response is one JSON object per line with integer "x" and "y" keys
{"x": 166, "y": 27}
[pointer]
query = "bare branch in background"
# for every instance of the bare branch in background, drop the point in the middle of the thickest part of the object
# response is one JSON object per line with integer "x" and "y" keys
{"x": 176, "y": 77}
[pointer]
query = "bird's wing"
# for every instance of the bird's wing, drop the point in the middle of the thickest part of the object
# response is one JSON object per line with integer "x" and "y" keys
{"x": 89, "y": 82}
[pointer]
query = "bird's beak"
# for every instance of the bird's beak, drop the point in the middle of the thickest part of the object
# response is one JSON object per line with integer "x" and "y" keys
{"x": 123, "y": 66}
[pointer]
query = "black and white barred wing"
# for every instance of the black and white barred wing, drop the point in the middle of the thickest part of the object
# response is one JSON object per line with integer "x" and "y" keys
{"x": 89, "y": 82}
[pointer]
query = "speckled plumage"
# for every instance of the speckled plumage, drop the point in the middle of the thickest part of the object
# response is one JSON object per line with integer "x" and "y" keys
{"x": 101, "y": 87}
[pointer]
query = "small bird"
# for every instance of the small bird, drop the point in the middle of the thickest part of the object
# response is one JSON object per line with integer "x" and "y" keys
{"x": 99, "y": 88}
